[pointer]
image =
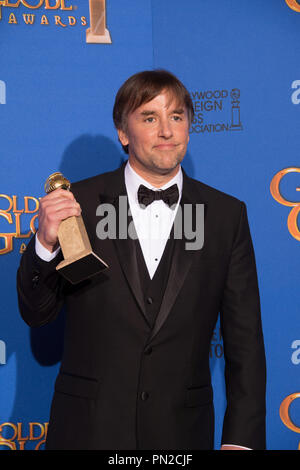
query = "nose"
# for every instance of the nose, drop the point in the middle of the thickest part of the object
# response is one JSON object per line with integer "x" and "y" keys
{"x": 165, "y": 129}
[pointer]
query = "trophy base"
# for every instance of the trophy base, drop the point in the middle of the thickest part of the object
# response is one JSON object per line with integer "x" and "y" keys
{"x": 98, "y": 38}
{"x": 85, "y": 265}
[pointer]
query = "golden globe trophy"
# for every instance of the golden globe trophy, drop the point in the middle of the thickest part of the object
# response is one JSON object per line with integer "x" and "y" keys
{"x": 80, "y": 262}
{"x": 97, "y": 33}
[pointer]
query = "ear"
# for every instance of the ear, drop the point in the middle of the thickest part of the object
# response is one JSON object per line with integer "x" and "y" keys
{"x": 123, "y": 137}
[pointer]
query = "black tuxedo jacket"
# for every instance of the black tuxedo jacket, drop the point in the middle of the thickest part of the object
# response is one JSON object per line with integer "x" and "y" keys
{"x": 126, "y": 385}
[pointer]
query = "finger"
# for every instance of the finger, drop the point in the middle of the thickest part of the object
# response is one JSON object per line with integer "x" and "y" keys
{"x": 57, "y": 194}
{"x": 58, "y": 204}
{"x": 66, "y": 213}
{"x": 54, "y": 212}
{"x": 47, "y": 204}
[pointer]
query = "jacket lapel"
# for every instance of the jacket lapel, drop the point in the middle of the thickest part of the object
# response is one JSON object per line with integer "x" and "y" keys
{"x": 126, "y": 250}
{"x": 125, "y": 247}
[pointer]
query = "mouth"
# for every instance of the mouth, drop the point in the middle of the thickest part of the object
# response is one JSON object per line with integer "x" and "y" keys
{"x": 165, "y": 146}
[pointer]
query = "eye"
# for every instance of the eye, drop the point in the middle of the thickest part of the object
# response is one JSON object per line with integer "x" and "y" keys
{"x": 176, "y": 117}
{"x": 149, "y": 119}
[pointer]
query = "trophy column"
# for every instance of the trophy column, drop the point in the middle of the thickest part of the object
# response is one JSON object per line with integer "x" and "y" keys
{"x": 97, "y": 33}
{"x": 80, "y": 262}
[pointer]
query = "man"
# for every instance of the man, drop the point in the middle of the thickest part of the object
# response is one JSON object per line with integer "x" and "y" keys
{"x": 135, "y": 369}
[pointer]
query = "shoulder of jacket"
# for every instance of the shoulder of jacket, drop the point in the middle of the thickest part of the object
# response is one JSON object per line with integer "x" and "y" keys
{"x": 91, "y": 181}
{"x": 214, "y": 195}
{"x": 96, "y": 184}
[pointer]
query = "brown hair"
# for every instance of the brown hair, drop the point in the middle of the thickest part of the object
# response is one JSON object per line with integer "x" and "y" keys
{"x": 144, "y": 87}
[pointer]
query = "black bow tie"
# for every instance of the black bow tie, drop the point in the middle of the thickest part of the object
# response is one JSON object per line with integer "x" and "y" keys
{"x": 147, "y": 196}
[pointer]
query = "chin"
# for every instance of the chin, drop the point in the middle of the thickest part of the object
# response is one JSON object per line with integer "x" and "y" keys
{"x": 169, "y": 166}
{"x": 165, "y": 170}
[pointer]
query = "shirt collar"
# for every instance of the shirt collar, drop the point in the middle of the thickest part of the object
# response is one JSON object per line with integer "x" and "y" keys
{"x": 133, "y": 181}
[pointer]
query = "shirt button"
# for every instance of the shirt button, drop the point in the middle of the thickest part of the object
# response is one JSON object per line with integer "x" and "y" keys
{"x": 150, "y": 300}
{"x": 144, "y": 396}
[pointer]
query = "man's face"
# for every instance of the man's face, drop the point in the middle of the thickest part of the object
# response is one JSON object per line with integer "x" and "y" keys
{"x": 157, "y": 134}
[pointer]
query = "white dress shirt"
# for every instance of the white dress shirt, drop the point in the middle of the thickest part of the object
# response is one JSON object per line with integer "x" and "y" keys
{"x": 153, "y": 223}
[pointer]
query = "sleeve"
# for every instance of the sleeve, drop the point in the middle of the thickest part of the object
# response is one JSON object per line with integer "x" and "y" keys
{"x": 42, "y": 252}
{"x": 39, "y": 287}
{"x": 245, "y": 367}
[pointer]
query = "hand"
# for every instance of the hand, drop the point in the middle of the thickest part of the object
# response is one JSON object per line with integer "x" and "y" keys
{"x": 55, "y": 207}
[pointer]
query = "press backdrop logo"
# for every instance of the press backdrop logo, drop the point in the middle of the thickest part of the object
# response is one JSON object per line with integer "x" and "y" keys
{"x": 15, "y": 213}
{"x": 293, "y": 4}
{"x": 295, "y": 358}
{"x": 216, "y": 111}
{"x": 98, "y": 33}
{"x": 2, "y": 92}
{"x": 59, "y": 13}
{"x": 290, "y": 404}
{"x": 216, "y": 349}
{"x": 285, "y": 414}
{"x": 296, "y": 94}
{"x": 23, "y": 436}
{"x": 292, "y": 221}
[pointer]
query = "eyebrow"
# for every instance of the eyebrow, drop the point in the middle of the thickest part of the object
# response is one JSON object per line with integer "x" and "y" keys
{"x": 149, "y": 112}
